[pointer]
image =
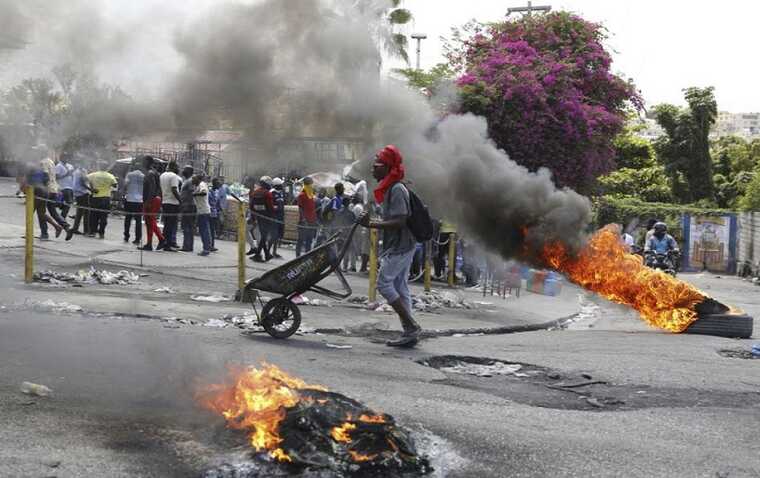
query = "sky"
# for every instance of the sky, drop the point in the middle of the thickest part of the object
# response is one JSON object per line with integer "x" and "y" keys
{"x": 663, "y": 45}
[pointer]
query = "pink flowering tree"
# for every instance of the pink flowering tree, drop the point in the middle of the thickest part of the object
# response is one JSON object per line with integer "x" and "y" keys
{"x": 544, "y": 84}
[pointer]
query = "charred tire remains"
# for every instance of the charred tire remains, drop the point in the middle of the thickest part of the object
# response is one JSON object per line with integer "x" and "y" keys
{"x": 280, "y": 318}
{"x": 723, "y": 325}
{"x": 547, "y": 388}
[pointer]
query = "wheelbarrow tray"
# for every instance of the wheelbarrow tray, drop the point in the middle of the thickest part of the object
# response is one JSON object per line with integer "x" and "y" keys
{"x": 303, "y": 273}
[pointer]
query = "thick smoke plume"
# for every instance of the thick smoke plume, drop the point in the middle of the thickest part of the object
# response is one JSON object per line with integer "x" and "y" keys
{"x": 313, "y": 68}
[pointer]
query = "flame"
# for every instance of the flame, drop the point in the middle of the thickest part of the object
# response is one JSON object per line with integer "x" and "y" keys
{"x": 358, "y": 457}
{"x": 372, "y": 418}
{"x": 256, "y": 401}
{"x": 341, "y": 433}
{"x": 605, "y": 267}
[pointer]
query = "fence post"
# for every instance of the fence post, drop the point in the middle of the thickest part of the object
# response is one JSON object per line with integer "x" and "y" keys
{"x": 372, "y": 293}
{"x": 452, "y": 258}
{"x": 241, "y": 241}
{"x": 428, "y": 265}
{"x": 29, "y": 236}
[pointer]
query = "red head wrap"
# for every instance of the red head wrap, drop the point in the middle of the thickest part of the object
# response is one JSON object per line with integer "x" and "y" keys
{"x": 391, "y": 157}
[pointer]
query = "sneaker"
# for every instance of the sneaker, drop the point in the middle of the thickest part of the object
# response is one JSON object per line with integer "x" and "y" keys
{"x": 101, "y": 236}
{"x": 186, "y": 250}
{"x": 136, "y": 242}
{"x": 403, "y": 341}
{"x": 126, "y": 239}
{"x": 69, "y": 234}
{"x": 250, "y": 252}
{"x": 213, "y": 249}
{"x": 58, "y": 232}
{"x": 170, "y": 249}
{"x": 204, "y": 253}
{"x": 146, "y": 247}
{"x": 161, "y": 245}
{"x": 92, "y": 234}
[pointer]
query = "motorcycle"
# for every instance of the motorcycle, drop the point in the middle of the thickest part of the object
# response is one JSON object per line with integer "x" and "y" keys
{"x": 666, "y": 262}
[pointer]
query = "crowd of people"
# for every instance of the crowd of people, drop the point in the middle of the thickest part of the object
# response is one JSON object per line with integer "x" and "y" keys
{"x": 147, "y": 193}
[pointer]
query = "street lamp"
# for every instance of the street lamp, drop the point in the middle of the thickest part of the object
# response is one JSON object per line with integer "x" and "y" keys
{"x": 419, "y": 37}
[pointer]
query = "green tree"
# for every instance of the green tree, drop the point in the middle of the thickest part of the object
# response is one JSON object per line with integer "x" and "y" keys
{"x": 432, "y": 79}
{"x": 685, "y": 146}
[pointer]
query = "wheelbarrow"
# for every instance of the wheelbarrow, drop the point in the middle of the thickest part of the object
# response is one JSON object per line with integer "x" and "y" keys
{"x": 280, "y": 316}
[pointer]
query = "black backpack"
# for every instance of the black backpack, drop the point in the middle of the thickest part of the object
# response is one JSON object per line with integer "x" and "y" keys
{"x": 419, "y": 221}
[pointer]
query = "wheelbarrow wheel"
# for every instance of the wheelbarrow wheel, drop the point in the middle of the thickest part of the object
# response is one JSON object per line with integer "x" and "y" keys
{"x": 280, "y": 318}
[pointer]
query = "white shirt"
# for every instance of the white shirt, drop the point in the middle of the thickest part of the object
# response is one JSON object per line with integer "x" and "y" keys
{"x": 201, "y": 202}
{"x": 48, "y": 166}
{"x": 62, "y": 169}
{"x": 628, "y": 240}
{"x": 168, "y": 181}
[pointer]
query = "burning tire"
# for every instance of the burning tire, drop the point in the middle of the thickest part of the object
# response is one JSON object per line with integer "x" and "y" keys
{"x": 280, "y": 318}
{"x": 722, "y": 325}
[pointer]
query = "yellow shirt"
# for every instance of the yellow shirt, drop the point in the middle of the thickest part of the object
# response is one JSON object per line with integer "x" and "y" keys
{"x": 101, "y": 183}
{"x": 48, "y": 166}
{"x": 447, "y": 227}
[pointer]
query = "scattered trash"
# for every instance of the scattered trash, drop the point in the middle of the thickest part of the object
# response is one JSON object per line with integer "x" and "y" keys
{"x": 166, "y": 290}
{"x": 756, "y": 351}
{"x": 52, "y": 463}
{"x": 482, "y": 370}
{"x": 49, "y": 305}
{"x": 91, "y": 276}
{"x": 425, "y": 302}
{"x": 211, "y": 298}
{"x": 35, "y": 389}
{"x": 338, "y": 346}
{"x": 215, "y": 323}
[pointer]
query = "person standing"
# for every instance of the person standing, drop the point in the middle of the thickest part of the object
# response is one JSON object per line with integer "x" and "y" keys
{"x": 101, "y": 183}
{"x": 64, "y": 173}
{"x": 82, "y": 199}
{"x": 170, "y": 184}
{"x": 278, "y": 225}
{"x": 307, "y": 217}
{"x": 203, "y": 210}
{"x": 37, "y": 179}
{"x": 262, "y": 209}
{"x": 151, "y": 203}
{"x": 219, "y": 191}
{"x": 133, "y": 203}
{"x": 398, "y": 242}
{"x": 188, "y": 209}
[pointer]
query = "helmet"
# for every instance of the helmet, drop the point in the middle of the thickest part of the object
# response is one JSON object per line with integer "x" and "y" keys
{"x": 277, "y": 182}
{"x": 660, "y": 228}
{"x": 265, "y": 180}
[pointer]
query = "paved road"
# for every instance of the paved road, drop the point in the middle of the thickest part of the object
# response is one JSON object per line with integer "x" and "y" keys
{"x": 668, "y": 405}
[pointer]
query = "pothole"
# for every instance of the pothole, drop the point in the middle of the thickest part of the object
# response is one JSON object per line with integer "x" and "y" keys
{"x": 738, "y": 354}
{"x": 539, "y": 386}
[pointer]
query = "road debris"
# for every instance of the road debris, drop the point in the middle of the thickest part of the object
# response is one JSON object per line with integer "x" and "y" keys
{"x": 338, "y": 346}
{"x": 215, "y": 323}
{"x": 36, "y": 389}
{"x": 482, "y": 370}
{"x": 211, "y": 298}
{"x": 60, "y": 307}
{"x": 165, "y": 290}
{"x": 91, "y": 276}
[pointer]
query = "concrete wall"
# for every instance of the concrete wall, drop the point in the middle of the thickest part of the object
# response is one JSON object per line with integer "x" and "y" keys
{"x": 748, "y": 250}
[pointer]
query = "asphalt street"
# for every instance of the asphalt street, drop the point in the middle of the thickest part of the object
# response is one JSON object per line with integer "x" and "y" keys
{"x": 123, "y": 377}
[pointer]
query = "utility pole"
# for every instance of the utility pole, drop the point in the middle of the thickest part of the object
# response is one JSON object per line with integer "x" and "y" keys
{"x": 529, "y": 9}
{"x": 419, "y": 37}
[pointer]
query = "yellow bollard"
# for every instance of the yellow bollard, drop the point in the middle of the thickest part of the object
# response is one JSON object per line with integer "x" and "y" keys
{"x": 428, "y": 265}
{"x": 452, "y": 258}
{"x": 372, "y": 293}
{"x": 241, "y": 233}
{"x": 29, "y": 237}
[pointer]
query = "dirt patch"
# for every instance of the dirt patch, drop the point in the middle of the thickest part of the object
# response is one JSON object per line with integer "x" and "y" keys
{"x": 549, "y": 388}
{"x": 738, "y": 354}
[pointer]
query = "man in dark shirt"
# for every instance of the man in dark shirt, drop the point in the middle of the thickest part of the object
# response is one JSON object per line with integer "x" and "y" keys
{"x": 278, "y": 225}
{"x": 188, "y": 209}
{"x": 151, "y": 203}
{"x": 262, "y": 209}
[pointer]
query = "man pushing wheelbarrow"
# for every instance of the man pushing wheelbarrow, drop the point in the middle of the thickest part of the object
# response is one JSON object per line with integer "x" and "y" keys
{"x": 404, "y": 222}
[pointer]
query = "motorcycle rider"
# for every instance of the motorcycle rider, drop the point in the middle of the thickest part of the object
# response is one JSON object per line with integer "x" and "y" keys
{"x": 660, "y": 243}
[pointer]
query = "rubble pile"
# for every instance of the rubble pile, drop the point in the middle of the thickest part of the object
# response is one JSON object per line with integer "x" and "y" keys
{"x": 425, "y": 302}
{"x": 91, "y": 276}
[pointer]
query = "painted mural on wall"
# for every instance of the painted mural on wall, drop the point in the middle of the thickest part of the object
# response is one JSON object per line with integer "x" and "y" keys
{"x": 709, "y": 242}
